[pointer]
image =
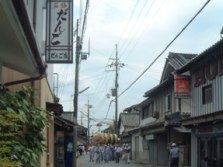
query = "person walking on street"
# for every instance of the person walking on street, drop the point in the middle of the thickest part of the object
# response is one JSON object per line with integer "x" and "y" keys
{"x": 118, "y": 153}
{"x": 91, "y": 153}
{"x": 174, "y": 155}
{"x": 106, "y": 153}
{"x": 98, "y": 154}
{"x": 127, "y": 152}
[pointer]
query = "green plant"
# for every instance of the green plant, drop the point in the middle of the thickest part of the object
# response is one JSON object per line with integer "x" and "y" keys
{"x": 26, "y": 123}
{"x": 9, "y": 124}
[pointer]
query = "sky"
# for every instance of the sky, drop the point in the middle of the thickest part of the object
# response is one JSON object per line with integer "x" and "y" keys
{"x": 141, "y": 29}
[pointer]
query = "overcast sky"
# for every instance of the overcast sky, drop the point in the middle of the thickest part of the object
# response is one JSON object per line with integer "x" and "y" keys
{"x": 141, "y": 29}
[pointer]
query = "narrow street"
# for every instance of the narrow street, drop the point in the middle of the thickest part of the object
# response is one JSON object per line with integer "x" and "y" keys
{"x": 83, "y": 161}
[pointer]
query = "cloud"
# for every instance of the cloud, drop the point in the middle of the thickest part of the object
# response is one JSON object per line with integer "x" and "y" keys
{"x": 140, "y": 40}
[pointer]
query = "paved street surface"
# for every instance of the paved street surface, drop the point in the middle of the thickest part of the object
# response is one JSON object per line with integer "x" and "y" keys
{"x": 83, "y": 161}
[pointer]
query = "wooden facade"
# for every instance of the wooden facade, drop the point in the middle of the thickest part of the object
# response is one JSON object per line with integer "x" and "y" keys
{"x": 207, "y": 107}
{"x": 160, "y": 118}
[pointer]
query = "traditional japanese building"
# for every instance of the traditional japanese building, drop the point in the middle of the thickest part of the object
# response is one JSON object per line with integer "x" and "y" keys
{"x": 206, "y": 121}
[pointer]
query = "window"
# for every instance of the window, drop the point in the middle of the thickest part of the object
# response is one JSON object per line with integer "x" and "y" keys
{"x": 147, "y": 111}
{"x": 168, "y": 103}
{"x": 207, "y": 94}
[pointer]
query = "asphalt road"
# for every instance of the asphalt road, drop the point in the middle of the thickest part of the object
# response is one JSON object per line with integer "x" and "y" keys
{"x": 83, "y": 161}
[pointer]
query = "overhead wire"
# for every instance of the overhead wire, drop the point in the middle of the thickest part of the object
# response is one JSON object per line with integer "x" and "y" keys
{"x": 95, "y": 6}
{"x": 64, "y": 78}
{"x": 134, "y": 29}
{"x": 84, "y": 21}
{"x": 169, "y": 44}
{"x": 137, "y": 42}
{"x": 130, "y": 18}
{"x": 123, "y": 44}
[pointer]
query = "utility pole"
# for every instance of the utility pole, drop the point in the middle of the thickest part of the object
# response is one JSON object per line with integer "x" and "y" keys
{"x": 79, "y": 42}
{"x": 76, "y": 92}
{"x": 117, "y": 65}
{"x": 116, "y": 89}
{"x": 88, "y": 120}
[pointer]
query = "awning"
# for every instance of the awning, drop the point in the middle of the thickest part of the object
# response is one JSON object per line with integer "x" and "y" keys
{"x": 182, "y": 129}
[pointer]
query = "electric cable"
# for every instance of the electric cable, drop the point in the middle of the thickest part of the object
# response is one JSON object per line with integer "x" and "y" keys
{"x": 134, "y": 30}
{"x": 165, "y": 48}
{"x": 130, "y": 18}
{"x": 137, "y": 42}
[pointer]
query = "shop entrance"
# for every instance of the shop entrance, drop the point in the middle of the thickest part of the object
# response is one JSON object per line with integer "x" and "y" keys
{"x": 210, "y": 152}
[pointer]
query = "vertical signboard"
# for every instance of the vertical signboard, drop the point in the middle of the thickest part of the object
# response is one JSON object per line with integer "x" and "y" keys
{"x": 59, "y": 31}
{"x": 181, "y": 85}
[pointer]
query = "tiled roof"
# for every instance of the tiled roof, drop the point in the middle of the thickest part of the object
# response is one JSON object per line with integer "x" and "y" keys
{"x": 177, "y": 60}
{"x": 159, "y": 87}
{"x": 133, "y": 107}
{"x": 201, "y": 56}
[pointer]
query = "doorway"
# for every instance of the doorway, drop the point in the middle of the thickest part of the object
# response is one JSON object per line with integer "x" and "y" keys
{"x": 210, "y": 152}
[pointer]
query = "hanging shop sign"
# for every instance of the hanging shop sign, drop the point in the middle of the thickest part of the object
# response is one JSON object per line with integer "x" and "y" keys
{"x": 181, "y": 85}
{"x": 59, "y": 31}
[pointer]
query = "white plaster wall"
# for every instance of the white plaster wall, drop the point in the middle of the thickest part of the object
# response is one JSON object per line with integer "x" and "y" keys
{"x": 147, "y": 121}
{"x": 143, "y": 154}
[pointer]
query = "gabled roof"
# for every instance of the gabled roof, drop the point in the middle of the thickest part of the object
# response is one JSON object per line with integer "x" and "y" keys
{"x": 145, "y": 102}
{"x": 203, "y": 57}
{"x": 159, "y": 87}
{"x": 173, "y": 62}
{"x": 133, "y": 107}
{"x": 129, "y": 119}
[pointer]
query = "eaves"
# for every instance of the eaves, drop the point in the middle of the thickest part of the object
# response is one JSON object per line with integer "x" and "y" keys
{"x": 202, "y": 58}
{"x": 160, "y": 87}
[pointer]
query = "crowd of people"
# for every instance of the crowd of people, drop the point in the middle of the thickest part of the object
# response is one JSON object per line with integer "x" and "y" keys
{"x": 105, "y": 153}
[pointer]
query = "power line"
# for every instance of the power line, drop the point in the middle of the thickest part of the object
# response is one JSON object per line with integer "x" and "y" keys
{"x": 130, "y": 18}
{"x": 165, "y": 48}
{"x": 85, "y": 21}
{"x": 109, "y": 108}
{"x": 130, "y": 51}
{"x": 125, "y": 28}
{"x": 134, "y": 30}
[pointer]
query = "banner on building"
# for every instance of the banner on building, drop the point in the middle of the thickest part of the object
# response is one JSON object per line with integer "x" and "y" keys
{"x": 59, "y": 31}
{"x": 181, "y": 85}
